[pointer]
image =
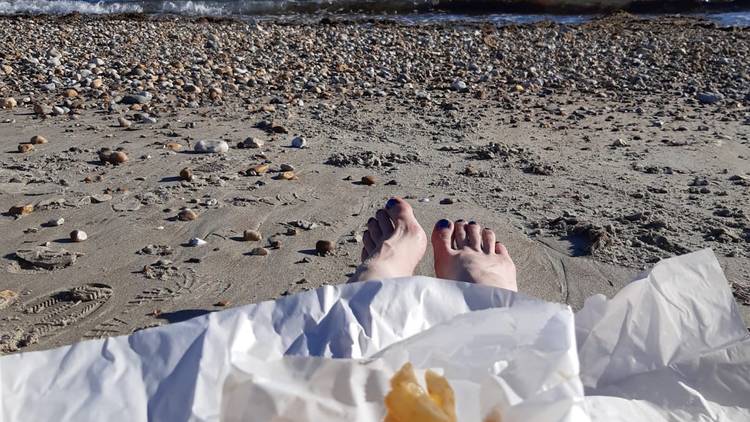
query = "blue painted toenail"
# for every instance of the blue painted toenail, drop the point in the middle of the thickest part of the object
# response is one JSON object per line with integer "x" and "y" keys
{"x": 443, "y": 224}
{"x": 391, "y": 203}
{"x": 472, "y": 222}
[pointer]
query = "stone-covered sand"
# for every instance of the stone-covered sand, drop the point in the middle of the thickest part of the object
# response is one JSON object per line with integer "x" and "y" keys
{"x": 592, "y": 150}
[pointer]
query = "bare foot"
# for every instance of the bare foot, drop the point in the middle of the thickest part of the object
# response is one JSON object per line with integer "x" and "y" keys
{"x": 465, "y": 252}
{"x": 394, "y": 243}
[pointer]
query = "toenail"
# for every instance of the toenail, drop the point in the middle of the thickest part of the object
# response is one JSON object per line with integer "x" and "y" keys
{"x": 443, "y": 224}
{"x": 391, "y": 203}
{"x": 472, "y": 222}
{"x": 459, "y": 221}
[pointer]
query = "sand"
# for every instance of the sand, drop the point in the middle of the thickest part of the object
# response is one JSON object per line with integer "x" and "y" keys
{"x": 587, "y": 189}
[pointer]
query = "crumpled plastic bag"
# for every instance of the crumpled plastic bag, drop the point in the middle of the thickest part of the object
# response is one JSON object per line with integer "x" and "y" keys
{"x": 669, "y": 347}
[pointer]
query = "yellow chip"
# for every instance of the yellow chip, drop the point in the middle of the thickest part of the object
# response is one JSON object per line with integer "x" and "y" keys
{"x": 409, "y": 402}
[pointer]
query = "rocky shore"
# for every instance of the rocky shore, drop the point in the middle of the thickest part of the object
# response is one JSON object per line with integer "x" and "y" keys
{"x": 155, "y": 169}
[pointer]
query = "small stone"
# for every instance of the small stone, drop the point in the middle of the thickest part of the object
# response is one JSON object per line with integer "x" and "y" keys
{"x": 78, "y": 236}
{"x": 251, "y": 142}
{"x": 211, "y": 147}
{"x": 104, "y": 155}
{"x": 118, "y": 157}
{"x": 56, "y": 222}
{"x": 38, "y": 140}
{"x": 42, "y": 109}
{"x": 619, "y": 142}
{"x": 287, "y": 167}
{"x": 173, "y": 146}
{"x": 252, "y": 235}
{"x": 9, "y": 103}
{"x": 446, "y": 201}
{"x": 459, "y": 85}
{"x": 324, "y": 247}
{"x": 140, "y": 98}
{"x": 187, "y": 215}
{"x": 186, "y": 174}
{"x": 197, "y": 241}
{"x": 70, "y": 93}
{"x": 97, "y": 83}
{"x": 259, "y": 251}
{"x": 21, "y": 210}
{"x": 369, "y": 180}
{"x": 222, "y": 303}
{"x": 123, "y": 122}
{"x": 299, "y": 142}
{"x": 709, "y": 97}
{"x": 24, "y": 148}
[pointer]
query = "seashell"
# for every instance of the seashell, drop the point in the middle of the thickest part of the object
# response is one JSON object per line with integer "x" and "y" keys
{"x": 186, "y": 174}
{"x": 287, "y": 175}
{"x": 324, "y": 247}
{"x": 21, "y": 209}
{"x": 24, "y": 148}
{"x": 38, "y": 140}
{"x": 197, "y": 241}
{"x": 78, "y": 235}
{"x": 369, "y": 180}
{"x": 259, "y": 251}
{"x": 299, "y": 142}
{"x": 258, "y": 170}
{"x": 252, "y": 235}
{"x": 187, "y": 215}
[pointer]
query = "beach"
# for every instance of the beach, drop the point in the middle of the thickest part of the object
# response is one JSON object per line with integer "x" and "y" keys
{"x": 593, "y": 150}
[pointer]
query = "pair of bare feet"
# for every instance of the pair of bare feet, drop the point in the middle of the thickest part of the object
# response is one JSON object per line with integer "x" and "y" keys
{"x": 394, "y": 243}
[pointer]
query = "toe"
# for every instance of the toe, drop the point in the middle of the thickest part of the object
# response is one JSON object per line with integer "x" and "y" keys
{"x": 474, "y": 236}
{"x": 459, "y": 234}
{"x": 368, "y": 242}
{"x": 488, "y": 241}
{"x": 374, "y": 228}
{"x": 500, "y": 249}
{"x": 442, "y": 237}
{"x": 384, "y": 223}
{"x": 401, "y": 213}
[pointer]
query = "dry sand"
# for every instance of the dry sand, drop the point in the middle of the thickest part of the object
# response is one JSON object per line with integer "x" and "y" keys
{"x": 588, "y": 183}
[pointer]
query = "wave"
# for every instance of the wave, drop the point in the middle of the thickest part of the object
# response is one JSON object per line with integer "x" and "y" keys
{"x": 262, "y": 7}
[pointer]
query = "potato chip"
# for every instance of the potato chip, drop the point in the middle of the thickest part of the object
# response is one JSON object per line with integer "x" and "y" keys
{"x": 409, "y": 402}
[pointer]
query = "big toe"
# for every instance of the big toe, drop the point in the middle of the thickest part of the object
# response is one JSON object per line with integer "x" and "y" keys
{"x": 401, "y": 214}
{"x": 442, "y": 236}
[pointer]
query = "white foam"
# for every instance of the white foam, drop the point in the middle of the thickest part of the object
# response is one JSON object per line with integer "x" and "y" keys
{"x": 60, "y": 7}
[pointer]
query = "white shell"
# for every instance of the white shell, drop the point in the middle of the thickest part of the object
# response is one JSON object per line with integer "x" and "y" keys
{"x": 197, "y": 241}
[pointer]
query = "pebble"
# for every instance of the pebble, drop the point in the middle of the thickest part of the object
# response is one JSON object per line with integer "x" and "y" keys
{"x": 101, "y": 197}
{"x": 7, "y": 298}
{"x": 299, "y": 142}
{"x": 21, "y": 209}
{"x": 78, "y": 236}
{"x": 140, "y": 98}
{"x": 123, "y": 122}
{"x": 369, "y": 180}
{"x": 259, "y": 251}
{"x": 56, "y": 222}
{"x": 287, "y": 167}
{"x": 619, "y": 142}
{"x": 459, "y": 85}
{"x": 287, "y": 175}
{"x": 187, "y": 215}
{"x": 324, "y": 247}
{"x": 258, "y": 170}
{"x": 709, "y": 97}
{"x": 197, "y": 241}
{"x": 104, "y": 154}
{"x": 252, "y": 235}
{"x": 24, "y": 148}
{"x": 9, "y": 103}
{"x": 173, "y": 146}
{"x": 38, "y": 140}
{"x": 211, "y": 147}
{"x": 251, "y": 143}
{"x": 118, "y": 157}
{"x": 186, "y": 174}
